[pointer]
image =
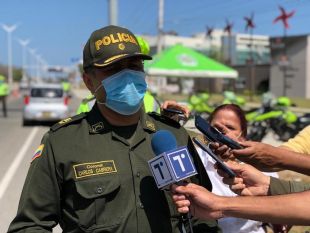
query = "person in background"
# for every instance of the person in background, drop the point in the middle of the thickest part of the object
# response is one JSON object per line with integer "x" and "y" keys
{"x": 91, "y": 172}
{"x": 4, "y": 92}
{"x": 66, "y": 86}
{"x": 300, "y": 143}
{"x": 230, "y": 120}
{"x": 86, "y": 104}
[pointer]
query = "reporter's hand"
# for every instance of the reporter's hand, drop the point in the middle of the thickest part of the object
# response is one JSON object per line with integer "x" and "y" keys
{"x": 222, "y": 151}
{"x": 198, "y": 200}
{"x": 249, "y": 180}
{"x": 262, "y": 156}
{"x": 174, "y": 104}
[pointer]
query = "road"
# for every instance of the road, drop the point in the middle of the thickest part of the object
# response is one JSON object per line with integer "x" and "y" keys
{"x": 17, "y": 145}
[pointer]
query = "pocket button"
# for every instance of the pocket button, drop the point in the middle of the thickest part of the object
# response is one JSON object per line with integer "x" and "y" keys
{"x": 99, "y": 190}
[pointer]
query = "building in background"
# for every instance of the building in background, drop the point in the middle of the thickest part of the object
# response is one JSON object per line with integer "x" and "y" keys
{"x": 290, "y": 69}
{"x": 235, "y": 51}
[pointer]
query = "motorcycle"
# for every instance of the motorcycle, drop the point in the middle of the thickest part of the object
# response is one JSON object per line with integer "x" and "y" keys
{"x": 198, "y": 104}
{"x": 231, "y": 98}
{"x": 275, "y": 116}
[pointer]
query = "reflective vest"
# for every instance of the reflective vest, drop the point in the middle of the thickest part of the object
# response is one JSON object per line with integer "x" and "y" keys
{"x": 4, "y": 89}
{"x": 86, "y": 104}
{"x": 150, "y": 104}
{"x": 66, "y": 86}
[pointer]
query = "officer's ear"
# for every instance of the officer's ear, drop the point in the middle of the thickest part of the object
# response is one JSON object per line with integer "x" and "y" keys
{"x": 88, "y": 81}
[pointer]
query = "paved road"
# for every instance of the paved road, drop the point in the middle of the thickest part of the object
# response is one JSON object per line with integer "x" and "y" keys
{"x": 17, "y": 145}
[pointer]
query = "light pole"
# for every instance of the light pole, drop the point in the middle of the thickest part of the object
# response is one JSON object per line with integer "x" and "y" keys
{"x": 38, "y": 58}
{"x": 9, "y": 30}
{"x": 33, "y": 61}
{"x": 24, "y": 44}
{"x": 113, "y": 12}
{"x": 160, "y": 25}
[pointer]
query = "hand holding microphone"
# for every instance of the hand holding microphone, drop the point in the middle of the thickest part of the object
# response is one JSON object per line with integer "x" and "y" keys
{"x": 172, "y": 164}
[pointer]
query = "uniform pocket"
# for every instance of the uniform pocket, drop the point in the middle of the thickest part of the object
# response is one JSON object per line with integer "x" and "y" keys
{"x": 90, "y": 204}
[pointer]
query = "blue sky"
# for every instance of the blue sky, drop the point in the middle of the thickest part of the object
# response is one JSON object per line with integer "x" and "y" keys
{"x": 59, "y": 28}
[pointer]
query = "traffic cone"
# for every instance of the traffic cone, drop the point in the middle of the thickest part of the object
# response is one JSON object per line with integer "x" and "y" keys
{"x": 16, "y": 93}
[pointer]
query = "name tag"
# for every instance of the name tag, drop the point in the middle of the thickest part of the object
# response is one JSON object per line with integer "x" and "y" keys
{"x": 93, "y": 169}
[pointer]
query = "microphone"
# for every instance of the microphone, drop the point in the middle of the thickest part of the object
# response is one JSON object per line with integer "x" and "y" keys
{"x": 171, "y": 164}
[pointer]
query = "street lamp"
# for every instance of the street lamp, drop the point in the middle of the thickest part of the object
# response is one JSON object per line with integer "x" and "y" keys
{"x": 24, "y": 44}
{"x": 33, "y": 61}
{"x": 9, "y": 30}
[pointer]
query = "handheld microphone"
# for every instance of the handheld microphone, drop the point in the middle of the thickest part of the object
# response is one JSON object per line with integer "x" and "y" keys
{"x": 171, "y": 164}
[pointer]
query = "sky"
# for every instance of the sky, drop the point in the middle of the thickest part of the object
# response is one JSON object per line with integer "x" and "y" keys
{"x": 58, "y": 29}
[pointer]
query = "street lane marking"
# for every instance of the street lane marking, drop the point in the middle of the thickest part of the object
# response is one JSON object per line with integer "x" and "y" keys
{"x": 16, "y": 162}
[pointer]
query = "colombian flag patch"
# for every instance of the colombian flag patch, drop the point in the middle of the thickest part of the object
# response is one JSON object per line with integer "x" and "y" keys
{"x": 38, "y": 152}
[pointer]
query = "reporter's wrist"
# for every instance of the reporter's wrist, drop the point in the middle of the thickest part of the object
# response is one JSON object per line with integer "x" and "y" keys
{"x": 265, "y": 185}
{"x": 223, "y": 204}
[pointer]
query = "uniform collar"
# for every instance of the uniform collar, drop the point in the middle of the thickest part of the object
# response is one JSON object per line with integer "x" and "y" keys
{"x": 98, "y": 124}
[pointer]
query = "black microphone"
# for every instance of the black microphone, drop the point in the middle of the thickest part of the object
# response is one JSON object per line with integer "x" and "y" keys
{"x": 171, "y": 164}
{"x": 213, "y": 135}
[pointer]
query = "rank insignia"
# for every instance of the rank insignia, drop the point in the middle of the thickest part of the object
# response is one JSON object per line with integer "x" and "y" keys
{"x": 150, "y": 125}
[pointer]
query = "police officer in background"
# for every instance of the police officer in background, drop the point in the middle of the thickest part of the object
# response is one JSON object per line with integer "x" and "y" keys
{"x": 4, "y": 92}
{"x": 90, "y": 173}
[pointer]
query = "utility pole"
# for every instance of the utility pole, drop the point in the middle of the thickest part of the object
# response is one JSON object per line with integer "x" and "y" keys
{"x": 33, "y": 62}
{"x": 160, "y": 25}
{"x": 24, "y": 44}
{"x": 113, "y": 12}
{"x": 9, "y": 30}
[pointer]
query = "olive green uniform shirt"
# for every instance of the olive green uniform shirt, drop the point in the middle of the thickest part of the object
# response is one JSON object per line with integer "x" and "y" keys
{"x": 278, "y": 186}
{"x": 90, "y": 179}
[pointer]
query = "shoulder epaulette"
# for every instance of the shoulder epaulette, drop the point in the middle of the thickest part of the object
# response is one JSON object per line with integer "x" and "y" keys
{"x": 164, "y": 119}
{"x": 68, "y": 121}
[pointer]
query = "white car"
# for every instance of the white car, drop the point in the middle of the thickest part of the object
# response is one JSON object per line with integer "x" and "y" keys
{"x": 45, "y": 102}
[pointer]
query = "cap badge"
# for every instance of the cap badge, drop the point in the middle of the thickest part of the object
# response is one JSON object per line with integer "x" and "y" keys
{"x": 121, "y": 46}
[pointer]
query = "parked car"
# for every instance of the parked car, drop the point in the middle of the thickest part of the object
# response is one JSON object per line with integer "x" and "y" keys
{"x": 45, "y": 102}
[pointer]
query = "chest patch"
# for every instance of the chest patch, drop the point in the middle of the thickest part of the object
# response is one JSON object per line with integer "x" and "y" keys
{"x": 93, "y": 169}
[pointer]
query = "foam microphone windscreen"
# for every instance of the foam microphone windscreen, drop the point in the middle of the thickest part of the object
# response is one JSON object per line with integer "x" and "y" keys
{"x": 163, "y": 141}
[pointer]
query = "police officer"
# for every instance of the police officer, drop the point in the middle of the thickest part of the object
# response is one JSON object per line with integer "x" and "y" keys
{"x": 4, "y": 92}
{"x": 90, "y": 173}
{"x": 151, "y": 104}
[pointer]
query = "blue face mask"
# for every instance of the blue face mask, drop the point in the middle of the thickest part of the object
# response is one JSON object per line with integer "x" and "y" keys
{"x": 125, "y": 91}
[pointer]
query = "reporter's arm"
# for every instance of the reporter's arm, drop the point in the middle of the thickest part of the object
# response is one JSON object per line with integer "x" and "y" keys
{"x": 269, "y": 158}
{"x": 290, "y": 209}
{"x": 278, "y": 186}
{"x": 290, "y": 160}
{"x": 283, "y": 209}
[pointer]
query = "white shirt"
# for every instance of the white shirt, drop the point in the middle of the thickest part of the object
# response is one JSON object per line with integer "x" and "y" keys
{"x": 228, "y": 224}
